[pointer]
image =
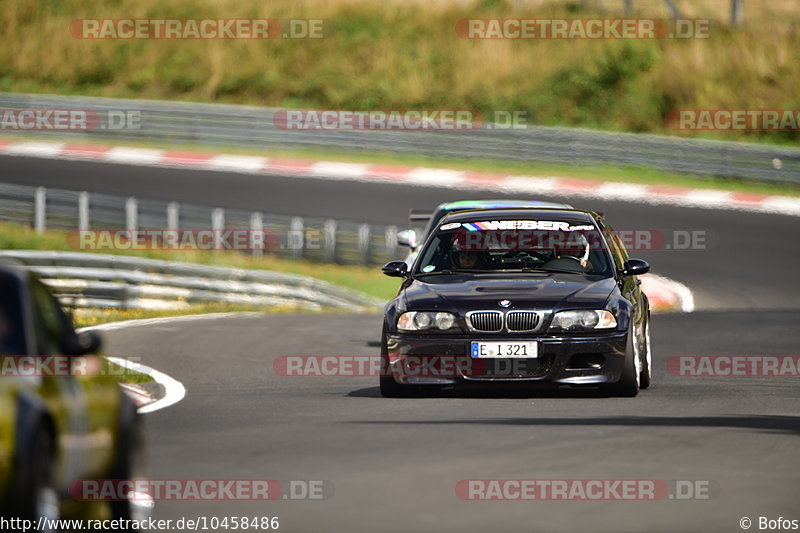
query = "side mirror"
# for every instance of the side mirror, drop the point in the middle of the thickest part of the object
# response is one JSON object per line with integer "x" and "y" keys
{"x": 83, "y": 343}
{"x": 635, "y": 267}
{"x": 395, "y": 269}
{"x": 407, "y": 237}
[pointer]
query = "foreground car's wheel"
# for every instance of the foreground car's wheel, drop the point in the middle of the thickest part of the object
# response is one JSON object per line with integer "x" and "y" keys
{"x": 646, "y": 357}
{"x": 130, "y": 465}
{"x": 38, "y": 497}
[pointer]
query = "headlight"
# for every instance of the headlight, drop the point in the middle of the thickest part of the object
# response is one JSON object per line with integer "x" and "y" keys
{"x": 421, "y": 320}
{"x": 583, "y": 320}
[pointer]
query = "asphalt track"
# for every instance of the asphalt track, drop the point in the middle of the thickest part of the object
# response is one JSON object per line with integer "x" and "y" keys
{"x": 395, "y": 463}
{"x": 749, "y": 260}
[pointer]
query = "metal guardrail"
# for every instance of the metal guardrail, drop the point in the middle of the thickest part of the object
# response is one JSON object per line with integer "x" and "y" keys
{"x": 312, "y": 239}
{"x": 213, "y": 124}
{"x": 113, "y": 281}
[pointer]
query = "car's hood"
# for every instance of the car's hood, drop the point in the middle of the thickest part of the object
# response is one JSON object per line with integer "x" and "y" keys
{"x": 464, "y": 292}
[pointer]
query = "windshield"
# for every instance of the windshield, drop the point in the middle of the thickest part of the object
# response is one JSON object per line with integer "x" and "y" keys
{"x": 516, "y": 245}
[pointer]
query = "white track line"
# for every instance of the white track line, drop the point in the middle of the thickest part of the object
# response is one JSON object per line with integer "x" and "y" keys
{"x": 175, "y": 391}
{"x": 160, "y": 320}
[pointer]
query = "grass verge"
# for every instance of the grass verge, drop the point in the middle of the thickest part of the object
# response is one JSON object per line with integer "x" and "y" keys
{"x": 408, "y": 55}
{"x": 82, "y": 318}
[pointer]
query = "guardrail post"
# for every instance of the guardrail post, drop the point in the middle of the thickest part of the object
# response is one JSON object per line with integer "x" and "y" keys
{"x": 217, "y": 226}
{"x": 364, "y": 233}
{"x": 391, "y": 243}
{"x": 83, "y": 211}
{"x": 257, "y": 236}
{"x": 39, "y": 209}
{"x": 736, "y": 12}
{"x": 173, "y": 216}
{"x": 296, "y": 239}
{"x": 131, "y": 214}
{"x": 329, "y": 231}
{"x": 673, "y": 9}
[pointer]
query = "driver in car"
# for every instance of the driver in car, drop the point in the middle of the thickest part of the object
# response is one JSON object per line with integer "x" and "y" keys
{"x": 574, "y": 255}
{"x": 468, "y": 259}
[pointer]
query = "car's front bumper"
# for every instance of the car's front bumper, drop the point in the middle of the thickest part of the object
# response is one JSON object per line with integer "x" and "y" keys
{"x": 575, "y": 360}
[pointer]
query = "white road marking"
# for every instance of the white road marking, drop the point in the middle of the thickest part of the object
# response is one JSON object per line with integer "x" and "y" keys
{"x": 623, "y": 191}
{"x": 175, "y": 391}
{"x": 436, "y": 177}
{"x": 165, "y": 319}
{"x": 134, "y": 156}
{"x": 332, "y": 170}
{"x": 237, "y": 163}
{"x": 35, "y": 149}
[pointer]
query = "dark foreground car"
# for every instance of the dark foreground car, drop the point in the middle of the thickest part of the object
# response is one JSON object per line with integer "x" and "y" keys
{"x": 63, "y": 416}
{"x": 518, "y": 296}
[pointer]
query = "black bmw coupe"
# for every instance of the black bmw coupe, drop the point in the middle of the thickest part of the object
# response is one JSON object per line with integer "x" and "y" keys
{"x": 518, "y": 295}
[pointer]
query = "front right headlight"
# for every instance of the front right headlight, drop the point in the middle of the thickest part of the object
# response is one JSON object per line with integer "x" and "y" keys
{"x": 583, "y": 320}
{"x": 422, "y": 320}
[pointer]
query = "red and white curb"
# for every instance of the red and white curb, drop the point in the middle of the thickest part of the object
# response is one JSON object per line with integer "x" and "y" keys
{"x": 667, "y": 294}
{"x": 411, "y": 176}
{"x": 664, "y": 294}
{"x": 174, "y": 389}
{"x": 139, "y": 396}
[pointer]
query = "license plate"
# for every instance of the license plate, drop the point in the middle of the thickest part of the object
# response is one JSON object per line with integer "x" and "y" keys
{"x": 495, "y": 349}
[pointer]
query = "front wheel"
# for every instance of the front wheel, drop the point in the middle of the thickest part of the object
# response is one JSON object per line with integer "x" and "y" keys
{"x": 389, "y": 387}
{"x": 628, "y": 385}
{"x": 646, "y": 358}
{"x": 392, "y": 389}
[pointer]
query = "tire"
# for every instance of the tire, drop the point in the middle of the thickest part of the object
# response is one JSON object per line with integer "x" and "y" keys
{"x": 389, "y": 387}
{"x": 37, "y": 496}
{"x": 130, "y": 465}
{"x": 628, "y": 384}
{"x": 647, "y": 359}
{"x": 392, "y": 389}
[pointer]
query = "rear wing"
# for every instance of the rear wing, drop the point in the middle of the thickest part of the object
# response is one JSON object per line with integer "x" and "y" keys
{"x": 419, "y": 217}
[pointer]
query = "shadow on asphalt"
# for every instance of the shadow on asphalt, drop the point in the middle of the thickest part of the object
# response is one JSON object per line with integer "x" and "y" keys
{"x": 486, "y": 391}
{"x": 774, "y": 424}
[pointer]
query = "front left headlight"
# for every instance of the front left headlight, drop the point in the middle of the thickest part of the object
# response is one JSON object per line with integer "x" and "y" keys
{"x": 425, "y": 320}
{"x": 583, "y": 320}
